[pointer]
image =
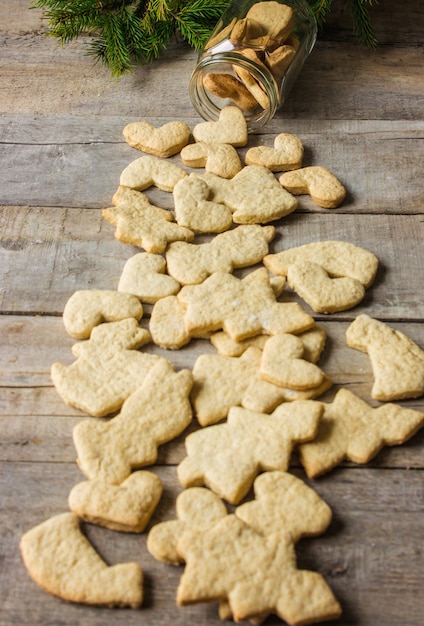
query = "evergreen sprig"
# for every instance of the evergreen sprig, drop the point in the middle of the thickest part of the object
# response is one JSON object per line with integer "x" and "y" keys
{"x": 126, "y": 32}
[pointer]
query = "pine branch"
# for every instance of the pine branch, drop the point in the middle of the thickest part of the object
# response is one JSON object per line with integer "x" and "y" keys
{"x": 126, "y": 32}
{"x": 362, "y": 25}
{"x": 320, "y": 9}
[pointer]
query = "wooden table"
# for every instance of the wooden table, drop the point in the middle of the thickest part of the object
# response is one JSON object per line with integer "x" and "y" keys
{"x": 359, "y": 113}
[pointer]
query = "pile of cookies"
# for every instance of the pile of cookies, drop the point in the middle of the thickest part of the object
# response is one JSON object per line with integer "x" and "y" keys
{"x": 255, "y": 400}
{"x": 266, "y": 36}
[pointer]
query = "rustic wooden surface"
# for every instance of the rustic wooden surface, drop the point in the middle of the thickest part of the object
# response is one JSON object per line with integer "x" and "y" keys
{"x": 360, "y": 113}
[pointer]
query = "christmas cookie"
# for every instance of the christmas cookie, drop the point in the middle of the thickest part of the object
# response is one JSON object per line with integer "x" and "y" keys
{"x": 126, "y": 507}
{"x": 155, "y": 413}
{"x": 397, "y": 362}
{"x": 240, "y": 384}
{"x": 227, "y": 86}
{"x": 86, "y": 309}
{"x": 193, "y": 209}
{"x": 276, "y": 20}
{"x": 91, "y": 383}
{"x": 142, "y": 224}
{"x": 282, "y": 501}
{"x": 227, "y": 457}
{"x": 324, "y": 294}
{"x": 317, "y": 181}
{"x": 61, "y": 560}
{"x": 351, "y": 429}
{"x": 282, "y": 364}
{"x": 287, "y": 154}
{"x": 313, "y": 341}
{"x": 257, "y": 575}
{"x": 221, "y": 159}
{"x": 239, "y": 247}
{"x": 243, "y": 308}
{"x": 254, "y": 195}
{"x": 161, "y": 142}
{"x": 144, "y": 276}
{"x": 338, "y": 258}
{"x": 248, "y": 80}
{"x": 230, "y": 128}
{"x": 151, "y": 170}
{"x": 196, "y": 508}
{"x": 279, "y": 60}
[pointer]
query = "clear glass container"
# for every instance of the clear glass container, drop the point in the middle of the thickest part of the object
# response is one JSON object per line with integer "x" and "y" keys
{"x": 252, "y": 58}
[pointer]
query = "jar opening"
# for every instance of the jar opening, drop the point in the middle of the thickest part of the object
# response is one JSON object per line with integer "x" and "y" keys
{"x": 229, "y": 64}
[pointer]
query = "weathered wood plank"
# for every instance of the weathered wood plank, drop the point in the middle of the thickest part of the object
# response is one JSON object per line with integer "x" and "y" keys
{"x": 78, "y": 128}
{"x": 55, "y": 252}
{"x": 393, "y": 22}
{"x": 30, "y": 345}
{"x": 85, "y": 174}
{"x": 370, "y": 550}
{"x": 339, "y": 81}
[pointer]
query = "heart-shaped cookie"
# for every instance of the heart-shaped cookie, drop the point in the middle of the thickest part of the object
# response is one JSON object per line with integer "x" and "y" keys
{"x": 163, "y": 142}
{"x": 219, "y": 158}
{"x": 324, "y": 294}
{"x": 144, "y": 276}
{"x": 317, "y": 181}
{"x": 287, "y": 154}
{"x": 193, "y": 209}
{"x": 150, "y": 170}
{"x": 230, "y": 128}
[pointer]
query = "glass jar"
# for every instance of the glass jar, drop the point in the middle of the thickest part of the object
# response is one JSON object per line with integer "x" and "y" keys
{"x": 252, "y": 58}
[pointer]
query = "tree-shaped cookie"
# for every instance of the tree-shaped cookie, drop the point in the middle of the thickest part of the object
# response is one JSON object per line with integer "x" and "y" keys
{"x": 59, "y": 557}
{"x": 258, "y": 575}
{"x": 351, "y": 429}
{"x": 397, "y": 362}
{"x": 227, "y": 457}
{"x": 155, "y": 413}
{"x": 240, "y": 247}
{"x": 107, "y": 370}
{"x": 242, "y": 308}
{"x": 142, "y": 224}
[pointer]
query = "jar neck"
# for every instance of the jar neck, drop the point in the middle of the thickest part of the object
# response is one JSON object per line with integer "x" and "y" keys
{"x": 204, "y": 102}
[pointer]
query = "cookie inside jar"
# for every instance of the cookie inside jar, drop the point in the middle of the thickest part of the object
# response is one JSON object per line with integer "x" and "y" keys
{"x": 252, "y": 59}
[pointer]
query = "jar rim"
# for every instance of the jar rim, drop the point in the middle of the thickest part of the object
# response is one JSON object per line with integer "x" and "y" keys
{"x": 206, "y": 107}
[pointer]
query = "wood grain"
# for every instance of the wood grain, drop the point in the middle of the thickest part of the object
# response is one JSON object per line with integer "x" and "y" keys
{"x": 360, "y": 114}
